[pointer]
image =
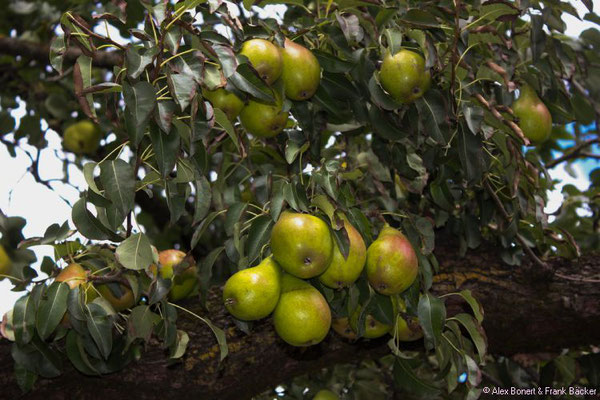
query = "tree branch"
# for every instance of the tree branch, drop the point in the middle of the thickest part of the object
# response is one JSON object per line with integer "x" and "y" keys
{"x": 40, "y": 52}
{"x": 519, "y": 310}
{"x": 575, "y": 152}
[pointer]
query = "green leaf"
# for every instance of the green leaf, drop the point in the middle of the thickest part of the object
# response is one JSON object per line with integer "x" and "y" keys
{"x": 57, "y": 52}
{"x": 431, "y": 112}
{"x": 205, "y": 272}
{"x": 406, "y": 379}
{"x": 234, "y": 215}
{"x": 82, "y": 77}
{"x": 178, "y": 350}
{"x": 118, "y": 181}
{"x": 88, "y": 225}
{"x": 472, "y": 301}
{"x": 432, "y": 315}
{"x": 166, "y": 148}
{"x": 203, "y": 199}
{"x": 138, "y": 58}
{"x": 222, "y": 120}
{"x": 135, "y": 252}
{"x": 293, "y": 148}
{"x": 475, "y": 331}
{"x": 100, "y": 327}
{"x": 140, "y": 100}
{"x": 183, "y": 87}
{"x": 202, "y": 228}
{"x": 258, "y": 236}
{"x": 24, "y": 319}
{"x": 77, "y": 354}
{"x": 52, "y": 308}
{"x": 141, "y": 323}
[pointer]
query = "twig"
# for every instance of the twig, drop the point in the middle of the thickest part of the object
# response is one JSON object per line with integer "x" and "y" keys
{"x": 575, "y": 152}
{"x": 511, "y": 124}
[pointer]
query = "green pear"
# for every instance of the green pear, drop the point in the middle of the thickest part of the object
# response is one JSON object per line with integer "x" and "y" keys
{"x": 534, "y": 118}
{"x": 404, "y": 76}
{"x": 392, "y": 264}
{"x": 226, "y": 101}
{"x": 373, "y": 328}
{"x": 344, "y": 272}
{"x": 302, "y": 316}
{"x": 5, "y": 263}
{"x": 263, "y": 119}
{"x": 253, "y": 293}
{"x": 82, "y": 137}
{"x": 341, "y": 326}
{"x": 265, "y": 58}
{"x": 326, "y": 394}
{"x": 301, "y": 71}
{"x": 184, "y": 282}
{"x": 117, "y": 294}
{"x": 407, "y": 327}
{"x": 302, "y": 244}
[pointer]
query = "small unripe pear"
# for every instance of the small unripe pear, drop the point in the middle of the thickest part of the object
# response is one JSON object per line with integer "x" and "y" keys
{"x": 534, "y": 118}
{"x": 373, "y": 328}
{"x": 253, "y": 293}
{"x": 301, "y": 71}
{"x": 404, "y": 76}
{"x": 82, "y": 137}
{"x": 392, "y": 264}
{"x": 226, "y": 101}
{"x": 326, "y": 394}
{"x": 265, "y": 58}
{"x": 342, "y": 327}
{"x": 183, "y": 283}
{"x": 263, "y": 119}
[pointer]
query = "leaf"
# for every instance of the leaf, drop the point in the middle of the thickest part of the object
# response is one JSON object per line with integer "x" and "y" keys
{"x": 140, "y": 100}
{"x": 57, "y": 52}
{"x": 234, "y": 215}
{"x": 100, "y": 327}
{"x": 166, "y": 149}
{"x": 183, "y": 87}
{"x": 258, "y": 235}
{"x": 88, "y": 225}
{"x": 135, "y": 252}
{"x": 164, "y": 114}
{"x": 178, "y": 350}
{"x": 432, "y": 315}
{"x": 222, "y": 120}
{"x": 431, "y": 112}
{"x": 52, "y": 308}
{"x": 82, "y": 79}
{"x": 141, "y": 323}
{"x": 205, "y": 272}
{"x": 203, "y": 199}
{"x": 24, "y": 319}
{"x": 77, "y": 355}
{"x": 405, "y": 378}
{"x": 475, "y": 331}
{"x": 342, "y": 240}
{"x": 293, "y": 148}
{"x": 138, "y": 58}
{"x": 118, "y": 181}
{"x": 472, "y": 301}
{"x": 202, "y": 228}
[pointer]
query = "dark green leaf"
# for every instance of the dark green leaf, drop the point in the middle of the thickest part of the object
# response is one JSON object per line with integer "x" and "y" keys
{"x": 52, "y": 308}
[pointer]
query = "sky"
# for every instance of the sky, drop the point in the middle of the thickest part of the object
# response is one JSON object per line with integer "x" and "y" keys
{"x": 20, "y": 195}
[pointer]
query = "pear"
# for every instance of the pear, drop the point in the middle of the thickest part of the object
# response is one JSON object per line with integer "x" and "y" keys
{"x": 407, "y": 327}
{"x": 344, "y": 272}
{"x": 118, "y": 295}
{"x": 404, "y": 76}
{"x": 302, "y": 316}
{"x": 263, "y": 119}
{"x": 82, "y": 137}
{"x": 301, "y": 71}
{"x": 5, "y": 263}
{"x": 253, "y": 293}
{"x": 75, "y": 275}
{"x": 265, "y": 58}
{"x": 534, "y": 118}
{"x": 373, "y": 328}
{"x": 392, "y": 264}
{"x": 302, "y": 244}
{"x": 326, "y": 394}
{"x": 184, "y": 282}
{"x": 341, "y": 326}
{"x": 226, "y": 101}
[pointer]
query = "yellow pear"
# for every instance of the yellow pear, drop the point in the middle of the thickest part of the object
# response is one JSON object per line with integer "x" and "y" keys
{"x": 404, "y": 76}
{"x": 301, "y": 71}
{"x": 265, "y": 58}
{"x": 407, "y": 327}
{"x": 534, "y": 118}
{"x": 326, "y": 394}
{"x": 75, "y": 275}
{"x": 392, "y": 264}
{"x": 302, "y": 316}
{"x": 226, "y": 101}
{"x": 253, "y": 293}
{"x": 373, "y": 328}
{"x": 302, "y": 244}
{"x": 263, "y": 119}
{"x": 184, "y": 282}
{"x": 341, "y": 326}
{"x": 5, "y": 263}
{"x": 118, "y": 295}
{"x": 82, "y": 137}
{"x": 344, "y": 272}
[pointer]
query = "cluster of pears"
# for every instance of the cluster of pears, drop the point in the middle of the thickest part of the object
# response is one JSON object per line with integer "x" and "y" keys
{"x": 121, "y": 296}
{"x": 82, "y": 137}
{"x": 302, "y": 248}
{"x": 404, "y": 76}
{"x": 296, "y": 67}
{"x": 534, "y": 118}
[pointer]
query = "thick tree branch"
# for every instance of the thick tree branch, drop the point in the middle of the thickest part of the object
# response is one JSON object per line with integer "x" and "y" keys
{"x": 40, "y": 52}
{"x": 519, "y": 310}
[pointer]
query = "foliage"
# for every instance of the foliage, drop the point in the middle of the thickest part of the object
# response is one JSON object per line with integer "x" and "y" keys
{"x": 453, "y": 163}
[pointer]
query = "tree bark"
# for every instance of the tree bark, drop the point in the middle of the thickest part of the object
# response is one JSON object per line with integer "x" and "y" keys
{"x": 524, "y": 313}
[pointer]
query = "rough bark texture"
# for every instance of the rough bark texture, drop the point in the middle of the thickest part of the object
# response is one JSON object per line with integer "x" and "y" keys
{"x": 524, "y": 312}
